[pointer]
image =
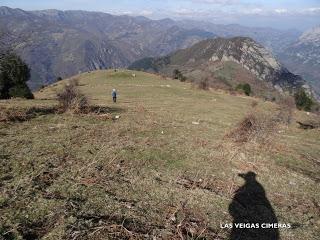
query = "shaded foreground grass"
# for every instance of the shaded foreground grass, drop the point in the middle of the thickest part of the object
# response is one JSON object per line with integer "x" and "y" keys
{"x": 152, "y": 172}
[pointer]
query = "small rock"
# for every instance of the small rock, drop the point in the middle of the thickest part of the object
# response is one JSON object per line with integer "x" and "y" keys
{"x": 128, "y": 206}
{"x": 292, "y": 183}
{"x": 99, "y": 167}
{"x": 173, "y": 218}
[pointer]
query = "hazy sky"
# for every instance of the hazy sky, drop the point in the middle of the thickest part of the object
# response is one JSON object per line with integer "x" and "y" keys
{"x": 300, "y": 14}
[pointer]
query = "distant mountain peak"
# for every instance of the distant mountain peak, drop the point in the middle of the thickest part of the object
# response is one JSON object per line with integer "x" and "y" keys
{"x": 243, "y": 51}
{"x": 240, "y": 49}
{"x": 9, "y": 11}
{"x": 311, "y": 36}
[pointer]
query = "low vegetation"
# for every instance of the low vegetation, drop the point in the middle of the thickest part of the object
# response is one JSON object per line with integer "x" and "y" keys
{"x": 303, "y": 101}
{"x": 71, "y": 99}
{"x": 204, "y": 84}
{"x": 178, "y": 75}
{"x": 162, "y": 163}
{"x": 257, "y": 127}
{"x": 245, "y": 88}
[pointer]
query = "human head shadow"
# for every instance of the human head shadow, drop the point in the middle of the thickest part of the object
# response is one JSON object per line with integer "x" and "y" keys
{"x": 250, "y": 205}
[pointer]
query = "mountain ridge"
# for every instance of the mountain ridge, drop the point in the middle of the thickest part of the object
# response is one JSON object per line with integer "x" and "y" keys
{"x": 241, "y": 50}
{"x": 303, "y": 57}
{"x": 54, "y": 43}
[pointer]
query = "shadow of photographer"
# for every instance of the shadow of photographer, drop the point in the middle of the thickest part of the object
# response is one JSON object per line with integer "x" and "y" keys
{"x": 251, "y": 206}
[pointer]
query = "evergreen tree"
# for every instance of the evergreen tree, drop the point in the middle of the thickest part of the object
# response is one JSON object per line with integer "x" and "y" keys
{"x": 246, "y": 88}
{"x": 14, "y": 74}
{"x": 178, "y": 75}
{"x": 303, "y": 101}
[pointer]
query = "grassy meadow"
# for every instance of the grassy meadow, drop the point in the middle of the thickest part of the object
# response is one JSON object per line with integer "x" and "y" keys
{"x": 158, "y": 164}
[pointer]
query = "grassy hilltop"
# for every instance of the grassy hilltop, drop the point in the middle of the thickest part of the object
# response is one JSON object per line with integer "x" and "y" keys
{"x": 166, "y": 168}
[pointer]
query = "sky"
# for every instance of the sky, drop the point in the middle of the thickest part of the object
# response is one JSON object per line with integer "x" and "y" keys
{"x": 283, "y": 14}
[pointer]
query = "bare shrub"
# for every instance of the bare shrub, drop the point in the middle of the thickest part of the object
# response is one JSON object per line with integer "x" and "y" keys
{"x": 71, "y": 99}
{"x": 286, "y": 108}
{"x": 258, "y": 127}
{"x": 11, "y": 115}
{"x": 23, "y": 114}
{"x": 204, "y": 84}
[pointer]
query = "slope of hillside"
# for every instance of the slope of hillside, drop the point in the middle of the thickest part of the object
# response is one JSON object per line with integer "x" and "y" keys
{"x": 303, "y": 57}
{"x": 164, "y": 169}
{"x": 206, "y": 56}
{"x": 63, "y": 43}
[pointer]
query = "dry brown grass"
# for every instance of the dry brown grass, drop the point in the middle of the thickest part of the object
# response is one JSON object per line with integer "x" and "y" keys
{"x": 254, "y": 104}
{"x": 74, "y": 82}
{"x": 142, "y": 176}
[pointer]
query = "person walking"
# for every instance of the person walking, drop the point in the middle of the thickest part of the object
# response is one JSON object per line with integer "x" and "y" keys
{"x": 114, "y": 95}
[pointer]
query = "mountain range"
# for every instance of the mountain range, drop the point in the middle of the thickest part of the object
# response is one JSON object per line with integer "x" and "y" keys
{"x": 303, "y": 57}
{"x": 226, "y": 63}
{"x": 63, "y": 43}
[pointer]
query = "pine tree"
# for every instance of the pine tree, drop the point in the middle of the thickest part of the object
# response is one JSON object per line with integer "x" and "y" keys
{"x": 14, "y": 74}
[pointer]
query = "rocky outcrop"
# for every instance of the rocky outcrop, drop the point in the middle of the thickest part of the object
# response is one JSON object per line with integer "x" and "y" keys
{"x": 303, "y": 57}
{"x": 242, "y": 50}
{"x": 258, "y": 60}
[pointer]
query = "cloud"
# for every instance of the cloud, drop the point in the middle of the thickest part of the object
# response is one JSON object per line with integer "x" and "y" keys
{"x": 278, "y": 12}
{"x": 253, "y": 11}
{"x": 312, "y": 10}
{"x": 281, "y": 10}
{"x": 185, "y": 12}
{"x": 146, "y": 13}
{"x": 218, "y": 2}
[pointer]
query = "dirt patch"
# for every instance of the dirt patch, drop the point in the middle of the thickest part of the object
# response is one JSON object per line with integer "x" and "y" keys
{"x": 214, "y": 185}
{"x": 36, "y": 230}
{"x": 309, "y": 124}
{"x": 19, "y": 115}
{"x": 44, "y": 180}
